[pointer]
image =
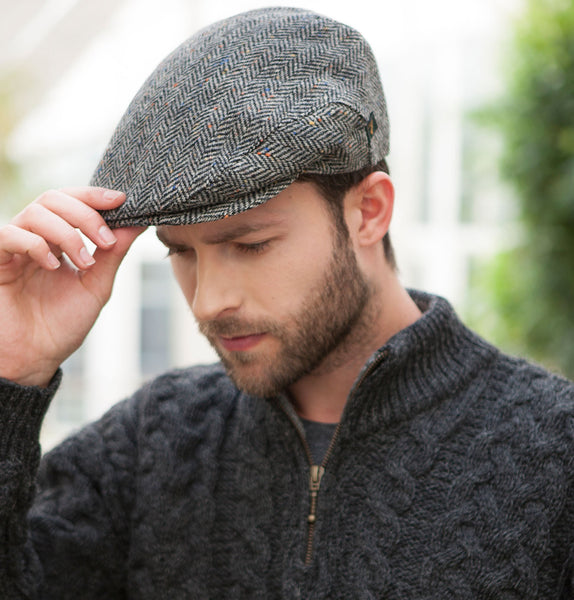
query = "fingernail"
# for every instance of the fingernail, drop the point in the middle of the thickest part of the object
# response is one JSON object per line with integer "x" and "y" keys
{"x": 53, "y": 261}
{"x": 86, "y": 257}
{"x": 107, "y": 236}
{"x": 112, "y": 195}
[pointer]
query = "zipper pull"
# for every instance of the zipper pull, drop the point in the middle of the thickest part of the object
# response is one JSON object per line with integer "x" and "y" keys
{"x": 316, "y": 474}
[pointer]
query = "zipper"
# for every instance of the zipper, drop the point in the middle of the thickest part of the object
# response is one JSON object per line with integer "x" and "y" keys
{"x": 316, "y": 472}
{"x": 314, "y": 485}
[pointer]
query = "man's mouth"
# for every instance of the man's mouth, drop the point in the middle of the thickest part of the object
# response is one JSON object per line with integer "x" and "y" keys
{"x": 241, "y": 343}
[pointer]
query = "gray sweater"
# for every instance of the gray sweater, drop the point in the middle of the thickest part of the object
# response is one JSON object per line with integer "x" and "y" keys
{"x": 450, "y": 477}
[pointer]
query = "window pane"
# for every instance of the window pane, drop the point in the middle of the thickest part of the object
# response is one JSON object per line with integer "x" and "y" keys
{"x": 155, "y": 346}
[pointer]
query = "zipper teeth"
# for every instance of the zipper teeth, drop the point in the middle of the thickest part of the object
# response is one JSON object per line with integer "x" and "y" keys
{"x": 310, "y": 534}
{"x": 312, "y": 508}
{"x": 382, "y": 356}
{"x": 331, "y": 446}
{"x": 314, "y": 499}
{"x": 304, "y": 441}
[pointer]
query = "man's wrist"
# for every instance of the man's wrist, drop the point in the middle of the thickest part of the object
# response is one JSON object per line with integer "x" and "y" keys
{"x": 40, "y": 378}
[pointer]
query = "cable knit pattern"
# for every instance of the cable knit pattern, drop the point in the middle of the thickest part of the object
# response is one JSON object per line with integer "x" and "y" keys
{"x": 451, "y": 478}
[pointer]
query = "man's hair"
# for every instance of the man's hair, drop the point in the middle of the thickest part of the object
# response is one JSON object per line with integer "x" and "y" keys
{"x": 334, "y": 187}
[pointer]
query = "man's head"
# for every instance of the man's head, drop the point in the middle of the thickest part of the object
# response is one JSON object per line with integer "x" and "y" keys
{"x": 240, "y": 111}
{"x": 285, "y": 290}
{"x": 257, "y": 148}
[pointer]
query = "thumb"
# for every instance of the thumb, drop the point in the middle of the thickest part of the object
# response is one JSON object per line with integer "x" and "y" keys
{"x": 99, "y": 278}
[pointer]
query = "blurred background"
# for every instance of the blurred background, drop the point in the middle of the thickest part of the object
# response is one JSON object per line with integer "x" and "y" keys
{"x": 481, "y": 101}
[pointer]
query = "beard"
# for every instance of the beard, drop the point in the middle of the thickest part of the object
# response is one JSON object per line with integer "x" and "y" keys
{"x": 319, "y": 337}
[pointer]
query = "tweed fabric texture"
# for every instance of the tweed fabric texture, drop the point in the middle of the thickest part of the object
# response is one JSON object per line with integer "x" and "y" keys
{"x": 237, "y": 112}
{"x": 451, "y": 478}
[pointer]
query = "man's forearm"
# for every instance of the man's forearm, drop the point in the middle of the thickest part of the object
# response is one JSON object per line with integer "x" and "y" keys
{"x": 22, "y": 410}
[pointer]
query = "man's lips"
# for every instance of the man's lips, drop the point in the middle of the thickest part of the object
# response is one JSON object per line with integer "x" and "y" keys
{"x": 241, "y": 342}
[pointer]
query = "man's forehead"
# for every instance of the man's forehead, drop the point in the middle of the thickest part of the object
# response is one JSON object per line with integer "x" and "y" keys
{"x": 215, "y": 232}
{"x": 274, "y": 212}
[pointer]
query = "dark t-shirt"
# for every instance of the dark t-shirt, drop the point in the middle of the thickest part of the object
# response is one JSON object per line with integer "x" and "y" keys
{"x": 319, "y": 437}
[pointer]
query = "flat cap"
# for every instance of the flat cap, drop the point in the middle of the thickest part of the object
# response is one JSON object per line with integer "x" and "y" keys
{"x": 238, "y": 112}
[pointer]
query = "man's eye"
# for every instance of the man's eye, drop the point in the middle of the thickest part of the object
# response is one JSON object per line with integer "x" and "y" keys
{"x": 253, "y": 248}
{"x": 175, "y": 250}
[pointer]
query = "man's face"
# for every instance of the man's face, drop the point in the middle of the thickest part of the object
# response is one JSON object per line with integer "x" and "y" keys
{"x": 277, "y": 292}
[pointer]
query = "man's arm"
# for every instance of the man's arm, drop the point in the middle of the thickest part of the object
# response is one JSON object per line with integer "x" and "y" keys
{"x": 21, "y": 412}
{"x": 48, "y": 304}
{"x": 64, "y": 527}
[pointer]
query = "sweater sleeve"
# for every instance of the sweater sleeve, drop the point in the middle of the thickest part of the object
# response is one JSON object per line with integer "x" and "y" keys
{"x": 22, "y": 410}
{"x": 62, "y": 519}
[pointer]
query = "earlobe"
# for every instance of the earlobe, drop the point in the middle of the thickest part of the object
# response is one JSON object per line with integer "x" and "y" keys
{"x": 375, "y": 199}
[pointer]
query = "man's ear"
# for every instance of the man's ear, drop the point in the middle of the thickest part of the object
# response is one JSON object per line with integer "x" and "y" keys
{"x": 369, "y": 208}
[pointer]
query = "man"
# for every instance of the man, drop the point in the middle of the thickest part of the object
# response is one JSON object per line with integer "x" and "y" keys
{"x": 358, "y": 441}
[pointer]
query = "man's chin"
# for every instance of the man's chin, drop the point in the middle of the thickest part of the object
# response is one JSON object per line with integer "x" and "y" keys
{"x": 255, "y": 387}
{"x": 250, "y": 377}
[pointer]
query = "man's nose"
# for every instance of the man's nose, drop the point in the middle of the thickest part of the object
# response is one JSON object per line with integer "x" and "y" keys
{"x": 216, "y": 291}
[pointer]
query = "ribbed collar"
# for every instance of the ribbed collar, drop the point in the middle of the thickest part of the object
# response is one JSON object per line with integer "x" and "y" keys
{"x": 435, "y": 357}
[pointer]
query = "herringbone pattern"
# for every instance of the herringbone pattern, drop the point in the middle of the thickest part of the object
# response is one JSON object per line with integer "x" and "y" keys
{"x": 239, "y": 111}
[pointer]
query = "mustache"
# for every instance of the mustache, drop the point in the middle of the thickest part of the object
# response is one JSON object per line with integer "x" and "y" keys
{"x": 234, "y": 327}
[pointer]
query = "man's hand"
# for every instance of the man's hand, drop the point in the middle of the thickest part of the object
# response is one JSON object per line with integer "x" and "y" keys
{"x": 49, "y": 303}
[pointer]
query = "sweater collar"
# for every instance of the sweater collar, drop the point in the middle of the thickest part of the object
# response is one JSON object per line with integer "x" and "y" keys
{"x": 430, "y": 360}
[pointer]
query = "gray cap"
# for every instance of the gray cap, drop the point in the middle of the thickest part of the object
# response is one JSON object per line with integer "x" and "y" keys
{"x": 240, "y": 110}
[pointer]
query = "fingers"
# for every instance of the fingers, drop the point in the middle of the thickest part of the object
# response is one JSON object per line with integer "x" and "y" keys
{"x": 58, "y": 232}
{"x": 96, "y": 197}
{"x": 78, "y": 210}
{"x": 99, "y": 279}
{"x": 54, "y": 221}
{"x": 14, "y": 241}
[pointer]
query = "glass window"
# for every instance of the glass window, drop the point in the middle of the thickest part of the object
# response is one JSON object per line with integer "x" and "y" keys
{"x": 155, "y": 321}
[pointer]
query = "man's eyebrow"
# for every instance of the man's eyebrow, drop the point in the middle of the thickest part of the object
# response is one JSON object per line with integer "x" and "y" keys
{"x": 238, "y": 231}
{"x": 221, "y": 237}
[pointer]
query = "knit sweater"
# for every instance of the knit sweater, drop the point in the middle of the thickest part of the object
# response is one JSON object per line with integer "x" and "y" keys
{"x": 450, "y": 477}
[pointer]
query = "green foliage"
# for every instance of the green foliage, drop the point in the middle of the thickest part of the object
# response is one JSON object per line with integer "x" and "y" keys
{"x": 531, "y": 288}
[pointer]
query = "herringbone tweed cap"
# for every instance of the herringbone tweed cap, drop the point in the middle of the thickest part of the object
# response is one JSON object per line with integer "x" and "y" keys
{"x": 236, "y": 113}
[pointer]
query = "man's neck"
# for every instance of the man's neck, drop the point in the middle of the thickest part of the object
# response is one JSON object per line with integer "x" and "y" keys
{"x": 322, "y": 395}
